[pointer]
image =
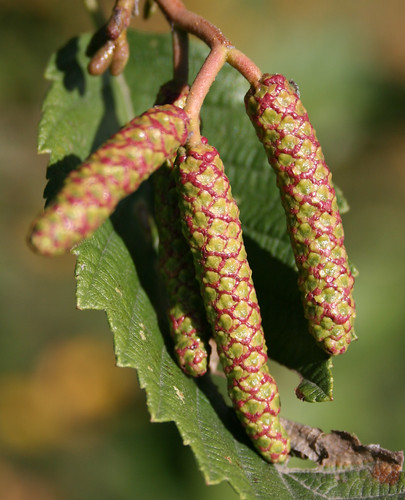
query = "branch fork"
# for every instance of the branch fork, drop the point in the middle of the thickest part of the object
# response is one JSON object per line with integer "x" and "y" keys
{"x": 114, "y": 52}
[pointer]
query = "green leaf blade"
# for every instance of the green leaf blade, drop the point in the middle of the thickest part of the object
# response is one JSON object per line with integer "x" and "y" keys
{"x": 115, "y": 268}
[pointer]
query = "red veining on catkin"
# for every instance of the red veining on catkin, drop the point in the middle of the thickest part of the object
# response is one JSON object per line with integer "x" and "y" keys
{"x": 187, "y": 319}
{"x": 91, "y": 193}
{"x": 310, "y": 203}
{"x": 212, "y": 226}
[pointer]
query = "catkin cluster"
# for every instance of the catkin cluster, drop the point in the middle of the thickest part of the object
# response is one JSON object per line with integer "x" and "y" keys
{"x": 202, "y": 256}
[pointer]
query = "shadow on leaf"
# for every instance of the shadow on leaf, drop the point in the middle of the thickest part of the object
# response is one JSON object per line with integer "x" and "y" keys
{"x": 97, "y": 41}
{"x": 109, "y": 123}
{"x": 132, "y": 222}
{"x": 56, "y": 175}
{"x": 67, "y": 63}
{"x": 74, "y": 78}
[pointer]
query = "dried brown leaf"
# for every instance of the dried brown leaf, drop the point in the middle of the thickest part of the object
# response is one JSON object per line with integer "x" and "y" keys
{"x": 342, "y": 449}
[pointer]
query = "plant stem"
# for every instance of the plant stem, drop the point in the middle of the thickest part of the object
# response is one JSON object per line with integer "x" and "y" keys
{"x": 244, "y": 65}
{"x": 184, "y": 21}
{"x": 198, "y": 91}
{"x": 180, "y": 56}
{"x": 178, "y": 16}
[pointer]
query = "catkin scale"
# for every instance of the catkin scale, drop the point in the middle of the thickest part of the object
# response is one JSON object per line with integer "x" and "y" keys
{"x": 91, "y": 193}
{"x": 211, "y": 225}
{"x": 187, "y": 319}
{"x": 309, "y": 199}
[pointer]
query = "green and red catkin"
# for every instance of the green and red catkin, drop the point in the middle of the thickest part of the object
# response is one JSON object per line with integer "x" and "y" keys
{"x": 309, "y": 199}
{"x": 187, "y": 318}
{"x": 91, "y": 193}
{"x": 212, "y": 226}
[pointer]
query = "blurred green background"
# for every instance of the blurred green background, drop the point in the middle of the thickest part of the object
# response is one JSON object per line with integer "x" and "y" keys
{"x": 72, "y": 426}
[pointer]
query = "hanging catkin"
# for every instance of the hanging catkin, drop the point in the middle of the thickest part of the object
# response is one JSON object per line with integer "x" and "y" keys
{"x": 212, "y": 226}
{"x": 187, "y": 318}
{"x": 91, "y": 193}
{"x": 309, "y": 199}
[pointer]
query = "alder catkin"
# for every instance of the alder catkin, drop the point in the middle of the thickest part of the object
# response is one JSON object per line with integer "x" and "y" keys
{"x": 211, "y": 225}
{"x": 187, "y": 319}
{"x": 91, "y": 193}
{"x": 309, "y": 199}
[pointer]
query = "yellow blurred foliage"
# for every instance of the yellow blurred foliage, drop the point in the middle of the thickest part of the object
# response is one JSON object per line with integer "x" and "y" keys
{"x": 18, "y": 485}
{"x": 74, "y": 383}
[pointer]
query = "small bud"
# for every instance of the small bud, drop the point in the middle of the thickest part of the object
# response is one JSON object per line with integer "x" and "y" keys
{"x": 121, "y": 55}
{"x": 101, "y": 59}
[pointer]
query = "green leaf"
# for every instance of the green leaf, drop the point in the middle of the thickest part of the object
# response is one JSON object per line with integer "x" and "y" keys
{"x": 107, "y": 280}
{"x": 82, "y": 111}
{"x": 115, "y": 268}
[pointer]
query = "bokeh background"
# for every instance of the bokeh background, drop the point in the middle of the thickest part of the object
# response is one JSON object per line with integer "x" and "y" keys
{"x": 72, "y": 425}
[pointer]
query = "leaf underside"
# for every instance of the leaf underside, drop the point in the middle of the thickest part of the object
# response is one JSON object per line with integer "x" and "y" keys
{"x": 116, "y": 268}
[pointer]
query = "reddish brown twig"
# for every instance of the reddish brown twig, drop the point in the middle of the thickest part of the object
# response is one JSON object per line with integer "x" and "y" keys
{"x": 222, "y": 50}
